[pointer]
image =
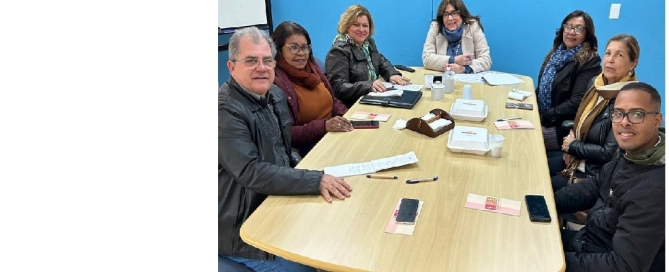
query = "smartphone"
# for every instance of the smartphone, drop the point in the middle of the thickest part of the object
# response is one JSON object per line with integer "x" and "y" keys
{"x": 536, "y": 206}
{"x": 365, "y": 124}
{"x": 524, "y": 106}
{"x": 407, "y": 212}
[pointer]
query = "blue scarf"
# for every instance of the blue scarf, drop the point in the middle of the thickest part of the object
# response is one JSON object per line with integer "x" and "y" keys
{"x": 453, "y": 37}
{"x": 365, "y": 49}
{"x": 558, "y": 59}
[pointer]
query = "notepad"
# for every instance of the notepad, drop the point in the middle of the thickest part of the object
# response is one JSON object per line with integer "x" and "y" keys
{"x": 514, "y": 124}
{"x": 361, "y": 115}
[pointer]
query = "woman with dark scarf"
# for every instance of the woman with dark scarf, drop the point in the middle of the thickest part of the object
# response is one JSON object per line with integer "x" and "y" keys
{"x": 591, "y": 143}
{"x": 563, "y": 79}
{"x": 456, "y": 39}
{"x": 314, "y": 110}
{"x": 354, "y": 64}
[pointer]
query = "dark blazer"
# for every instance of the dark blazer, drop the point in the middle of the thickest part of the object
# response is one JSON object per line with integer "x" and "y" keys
{"x": 247, "y": 168}
{"x": 346, "y": 68}
{"x": 569, "y": 86}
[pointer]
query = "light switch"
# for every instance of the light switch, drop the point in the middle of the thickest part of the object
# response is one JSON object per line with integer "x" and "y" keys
{"x": 615, "y": 11}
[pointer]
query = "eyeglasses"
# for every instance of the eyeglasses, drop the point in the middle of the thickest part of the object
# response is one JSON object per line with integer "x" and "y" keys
{"x": 577, "y": 29}
{"x": 454, "y": 14}
{"x": 294, "y": 48}
{"x": 634, "y": 117}
{"x": 252, "y": 63}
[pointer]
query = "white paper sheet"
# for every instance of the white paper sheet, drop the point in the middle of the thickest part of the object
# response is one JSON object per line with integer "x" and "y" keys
{"x": 409, "y": 87}
{"x": 354, "y": 169}
{"x": 501, "y": 79}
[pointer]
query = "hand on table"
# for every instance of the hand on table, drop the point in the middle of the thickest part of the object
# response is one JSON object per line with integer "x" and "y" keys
{"x": 338, "y": 124}
{"x": 399, "y": 80}
{"x": 335, "y": 186}
{"x": 377, "y": 86}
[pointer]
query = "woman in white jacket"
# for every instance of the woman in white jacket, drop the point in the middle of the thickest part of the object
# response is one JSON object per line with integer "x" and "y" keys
{"x": 456, "y": 39}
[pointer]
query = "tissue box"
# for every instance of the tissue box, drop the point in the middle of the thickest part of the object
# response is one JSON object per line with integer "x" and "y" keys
{"x": 469, "y": 110}
{"x": 469, "y": 140}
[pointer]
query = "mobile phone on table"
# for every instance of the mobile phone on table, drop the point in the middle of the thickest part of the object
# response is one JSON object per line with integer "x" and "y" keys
{"x": 407, "y": 212}
{"x": 365, "y": 124}
{"x": 523, "y": 106}
{"x": 536, "y": 207}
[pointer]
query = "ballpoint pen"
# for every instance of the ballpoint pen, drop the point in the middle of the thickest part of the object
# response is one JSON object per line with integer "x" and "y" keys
{"x": 413, "y": 181}
{"x": 382, "y": 176}
{"x": 507, "y": 119}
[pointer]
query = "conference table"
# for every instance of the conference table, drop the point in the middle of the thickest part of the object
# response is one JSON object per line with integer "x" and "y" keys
{"x": 348, "y": 235}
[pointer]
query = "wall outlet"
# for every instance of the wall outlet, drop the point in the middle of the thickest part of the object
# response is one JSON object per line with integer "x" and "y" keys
{"x": 615, "y": 12}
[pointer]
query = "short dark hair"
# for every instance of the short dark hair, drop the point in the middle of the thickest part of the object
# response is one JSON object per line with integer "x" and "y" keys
{"x": 655, "y": 98}
{"x": 461, "y": 8}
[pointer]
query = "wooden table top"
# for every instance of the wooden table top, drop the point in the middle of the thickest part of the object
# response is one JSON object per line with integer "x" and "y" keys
{"x": 349, "y": 235}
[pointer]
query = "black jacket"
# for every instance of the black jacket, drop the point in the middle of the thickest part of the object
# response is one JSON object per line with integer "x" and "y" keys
{"x": 248, "y": 170}
{"x": 346, "y": 69}
{"x": 569, "y": 85}
{"x": 625, "y": 227}
{"x": 599, "y": 144}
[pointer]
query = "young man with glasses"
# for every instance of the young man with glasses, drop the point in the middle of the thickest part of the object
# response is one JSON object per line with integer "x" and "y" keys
{"x": 625, "y": 225}
{"x": 254, "y": 154}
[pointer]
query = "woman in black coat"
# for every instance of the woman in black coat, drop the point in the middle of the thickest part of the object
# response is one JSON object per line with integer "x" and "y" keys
{"x": 564, "y": 76}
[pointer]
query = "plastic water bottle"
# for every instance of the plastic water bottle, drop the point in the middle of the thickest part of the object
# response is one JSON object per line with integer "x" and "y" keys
{"x": 448, "y": 80}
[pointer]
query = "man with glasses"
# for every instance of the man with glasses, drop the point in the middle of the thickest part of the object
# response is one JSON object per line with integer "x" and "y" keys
{"x": 254, "y": 154}
{"x": 625, "y": 226}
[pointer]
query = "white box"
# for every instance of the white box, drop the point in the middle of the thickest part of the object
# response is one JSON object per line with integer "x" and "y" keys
{"x": 469, "y": 110}
{"x": 469, "y": 140}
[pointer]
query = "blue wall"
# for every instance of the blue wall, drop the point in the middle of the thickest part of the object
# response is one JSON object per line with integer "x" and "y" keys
{"x": 519, "y": 33}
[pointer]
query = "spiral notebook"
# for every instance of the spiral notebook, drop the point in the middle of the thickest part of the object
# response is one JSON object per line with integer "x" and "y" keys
{"x": 407, "y": 101}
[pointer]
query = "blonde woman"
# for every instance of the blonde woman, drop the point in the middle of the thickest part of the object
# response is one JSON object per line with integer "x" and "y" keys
{"x": 354, "y": 64}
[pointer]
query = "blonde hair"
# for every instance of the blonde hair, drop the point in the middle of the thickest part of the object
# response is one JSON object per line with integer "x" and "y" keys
{"x": 350, "y": 15}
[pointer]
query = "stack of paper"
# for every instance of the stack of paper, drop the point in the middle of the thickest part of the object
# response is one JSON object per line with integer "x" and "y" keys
{"x": 361, "y": 115}
{"x": 501, "y": 79}
{"x": 371, "y": 167}
{"x": 409, "y": 87}
{"x": 519, "y": 95}
{"x": 390, "y": 93}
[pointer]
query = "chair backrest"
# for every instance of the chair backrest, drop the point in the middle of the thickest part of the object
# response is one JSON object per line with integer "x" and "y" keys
{"x": 320, "y": 64}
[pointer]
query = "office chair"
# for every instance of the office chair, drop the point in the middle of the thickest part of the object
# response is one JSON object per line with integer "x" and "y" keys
{"x": 320, "y": 64}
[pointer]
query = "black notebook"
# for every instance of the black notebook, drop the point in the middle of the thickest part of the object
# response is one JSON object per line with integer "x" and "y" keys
{"x": 407, "y": 101}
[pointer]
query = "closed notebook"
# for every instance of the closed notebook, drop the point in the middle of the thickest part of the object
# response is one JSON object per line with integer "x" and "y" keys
{"x": 407, "y": 101}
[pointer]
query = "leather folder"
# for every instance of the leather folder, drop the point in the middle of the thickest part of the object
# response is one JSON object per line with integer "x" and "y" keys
{"x": 407, "y": 101}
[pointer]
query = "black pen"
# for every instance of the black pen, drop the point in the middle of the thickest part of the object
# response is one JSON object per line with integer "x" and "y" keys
{"x": 413, "y": 181}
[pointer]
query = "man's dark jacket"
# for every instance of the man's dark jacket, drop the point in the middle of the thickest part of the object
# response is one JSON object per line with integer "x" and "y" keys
{"x": 625, "y": 227}
{"x": 248, "y": 170}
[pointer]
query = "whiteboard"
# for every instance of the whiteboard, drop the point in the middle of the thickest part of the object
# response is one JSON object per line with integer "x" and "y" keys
{"x": 240, "y": 13}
